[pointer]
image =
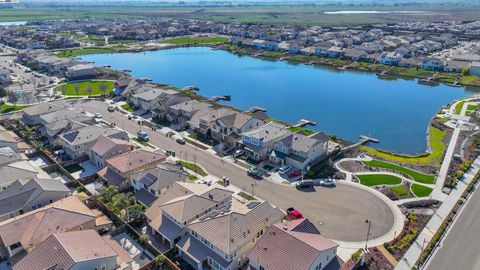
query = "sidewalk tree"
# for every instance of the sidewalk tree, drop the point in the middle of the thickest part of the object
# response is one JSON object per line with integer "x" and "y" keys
{"x": 3, "y": 92}
{"x": 89, "y": 90}
{"x": 103, "y": 88}
{"x": 63, "y": 88}
{"x": 76, "y": 88}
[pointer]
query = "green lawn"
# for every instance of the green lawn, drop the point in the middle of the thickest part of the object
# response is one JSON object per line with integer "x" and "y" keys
{"x": 83, "y": 85}
{"x": 400, "y": 191}
{"x": 193, "y": 167}
{"x": 471, "y": 107}
{"x": 470, "y": 80}
{"x": 420, "y": 191}
{"x": 6, "y": 108}
{"x": 73, "y": 53}
{"x": 127, "y": 107}
{"x": 458, "y": 107}
{"x": 434, "y": 158}
{"x": 378, "y": 179}
{"x": 194, "y": 41}
{"x": 417, "y": 176}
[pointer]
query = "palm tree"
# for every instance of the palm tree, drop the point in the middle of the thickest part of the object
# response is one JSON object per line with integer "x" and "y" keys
{"x": 107, "y": 193}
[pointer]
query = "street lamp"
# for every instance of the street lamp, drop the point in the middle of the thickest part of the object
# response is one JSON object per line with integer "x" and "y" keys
{"x": 368, "y": 232}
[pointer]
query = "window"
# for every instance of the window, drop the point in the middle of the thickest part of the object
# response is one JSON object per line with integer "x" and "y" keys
{"x": 15, "y": 246}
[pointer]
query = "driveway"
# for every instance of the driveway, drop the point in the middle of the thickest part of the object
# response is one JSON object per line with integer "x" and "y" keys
{"x": 339, "y": 212}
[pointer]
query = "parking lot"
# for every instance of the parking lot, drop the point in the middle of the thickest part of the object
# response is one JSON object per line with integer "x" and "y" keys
{"x": 338, "y": 212}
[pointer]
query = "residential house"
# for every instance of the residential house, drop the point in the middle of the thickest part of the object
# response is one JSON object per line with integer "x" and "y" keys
{"x": 55, "y": 129}
{"x": 165, "y": 101}
{"x": 201, "y": 121}
{"x": 259, "y": 142}
{"x": 25, "y": 232}
{"x": 77, "y": 143}
{"x": 228, "y": 127}
{"x": 456, "y": 66}
{"x": 7, "y": 156}
{"x": 300, "y": 151}
{"x": 23, "y": 196}
{"x": 19, "y": 170}
{"x": 434, "y": 64}
{"x": 106, "y": 148}
{"x": 147, "y": 100}
{"x": 119, "y": 169}
{"x": 295, "y": 244}
{"x": 355, "y": 54}
{"x": 81, "y": 71}
{"x": 151, "y": 183}
{"x": 223, "y": 241}
{"x": 180, "y": 204}
{"x": 10, "y": 139}
{"x": 411, "y": 62}
{"x": 475, "y": 69}
{"x": 5, "y": 78}
{"x": 31, "y": 115}
{"x": 182, "y": 112}
{"x": 59, "y": 115}
{"x": 76, "y": 250}
{"x": 390, "y": 58}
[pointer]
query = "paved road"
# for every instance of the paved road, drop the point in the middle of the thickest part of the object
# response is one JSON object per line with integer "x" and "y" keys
{"x": 461, "y": 247}
{"x": 339, "y": 212}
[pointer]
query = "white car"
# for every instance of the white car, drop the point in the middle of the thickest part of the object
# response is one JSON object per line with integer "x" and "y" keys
{"x": 284, "y": 169}
{"x": 111, "y": 108}
{"x": 239, "y": 153}
{"x": 328, "y": 182}
{"x": 97, "y": 115}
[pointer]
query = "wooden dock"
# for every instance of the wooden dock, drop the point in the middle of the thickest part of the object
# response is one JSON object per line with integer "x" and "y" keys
{"x": 217, "y": 98}
{"x": 363, "y": 140}
{"x": 304, "y": 122}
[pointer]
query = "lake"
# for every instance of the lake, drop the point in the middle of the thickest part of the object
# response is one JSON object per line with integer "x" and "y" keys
{"x": 13, "y": 23}
{"x": 346, "y": 103}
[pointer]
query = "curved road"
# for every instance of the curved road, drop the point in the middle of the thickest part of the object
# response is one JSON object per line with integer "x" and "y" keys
{"x": 339, "y": 212}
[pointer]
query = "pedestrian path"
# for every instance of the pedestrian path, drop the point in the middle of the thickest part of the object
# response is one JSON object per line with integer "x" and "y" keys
{"x": 414, "y": 252}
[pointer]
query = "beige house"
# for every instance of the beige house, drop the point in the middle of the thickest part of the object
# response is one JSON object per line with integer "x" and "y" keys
{"x": 106, "y": 148}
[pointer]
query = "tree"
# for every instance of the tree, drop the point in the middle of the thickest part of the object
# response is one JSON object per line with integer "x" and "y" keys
{"x": 103, "y": 88}
{"x": 89, "y": 90}
{"x": 160, "y": 261}
{"x": 107, "y": 193}
{"x": 12, "y": 97}
{"x": 63, "y": 88}
{"x": 76, "y": 88}
{"x": 3, "y": 92}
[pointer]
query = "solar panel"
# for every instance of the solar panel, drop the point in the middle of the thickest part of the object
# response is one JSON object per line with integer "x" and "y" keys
{"x": 71, "y": 136}
{"x": 148, "y": 179}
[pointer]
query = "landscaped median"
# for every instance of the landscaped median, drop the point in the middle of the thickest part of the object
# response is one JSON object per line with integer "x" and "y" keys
{"x": 415, "y": 175}
{"x": 86, "y": 88}
{"x": 420, "y": 191}
{"x": 193, "y": 167}
{"x": 370, "y": 180}
{"x": 434, "y": 158}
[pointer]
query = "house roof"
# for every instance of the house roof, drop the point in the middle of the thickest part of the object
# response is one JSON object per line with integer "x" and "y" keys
{"x": 43, "y": 108}
{"x": 32, "y": 228}
{"x": 154, "y": 93}
{"x": 104, "y": 145}
{"x": 61, "y": 115}
{"x": 232, "y": 231}
{"x": 300, "y": 142}
{"x": 7, "y": 155}
{"x": 191, "y": 106}
{"x": 88, "y": 134}
{"x": 187, "y": 207}
{"x": 161, "y": 176}
{"x": 22, "y": 170}
{"x": 135, "y": 159}
{"x": 22, "y": 192}
{"x": 235, "y": 119}
{"x": 268, "y": 132}
{"x": 64, "y": 250}
{"x": 304, "y": 244}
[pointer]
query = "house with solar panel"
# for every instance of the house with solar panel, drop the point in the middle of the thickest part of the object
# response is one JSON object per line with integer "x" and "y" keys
{"x": 151, "y": 183}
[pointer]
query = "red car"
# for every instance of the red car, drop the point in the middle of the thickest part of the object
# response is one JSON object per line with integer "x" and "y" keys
{"x": 293, "y": 174}
{"x": 294, "y": 214}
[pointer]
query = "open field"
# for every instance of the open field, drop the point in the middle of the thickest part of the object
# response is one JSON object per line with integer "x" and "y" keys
{"x": 378, "y": 179}
{"x": 77, "y": 52}
{"x": 275, "y": 14}
{"x": 417, "y": 176}
{"x": 70, "y": 89}
{"x": 434, "y": 158}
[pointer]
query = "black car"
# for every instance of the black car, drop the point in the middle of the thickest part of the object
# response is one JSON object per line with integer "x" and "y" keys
{"x": 255, "y": 173}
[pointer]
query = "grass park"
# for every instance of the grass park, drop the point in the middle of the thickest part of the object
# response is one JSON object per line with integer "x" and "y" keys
{"x": 420, "y": 191}
{"x": 6, "y": 108}
{"x": 77, "y": 52}
{"x": 417, "y": 176}
{"x": 371, "y": 180}
{"x": 86, "y": 88}
{"x": 196, "y": 41}
{"x": 434, "y": 158}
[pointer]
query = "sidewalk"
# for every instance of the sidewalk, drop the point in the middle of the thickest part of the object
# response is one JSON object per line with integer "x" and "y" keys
{"x": 414, "y": 252}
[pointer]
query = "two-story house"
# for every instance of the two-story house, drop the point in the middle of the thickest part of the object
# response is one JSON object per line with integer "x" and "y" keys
{"x": 300, "y": 151}
{"x": 223, "y": 241}
{"x": 182, "y": 112}
{"x": 259, "y": 142}
{"x": 390, "y": 58}
{"x": 119, "y": 169}
{"x": 106, "y": 148}
{"x": 229, "y": 127}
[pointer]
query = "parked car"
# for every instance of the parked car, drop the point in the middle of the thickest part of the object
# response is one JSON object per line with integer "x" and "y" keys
{"x": 328, "y": 182}
{"x": 294, "y": 214}
{"x": 181, "y": 140}
{"x": 293, "y": 174}
{"x": 111, "y": 108}
{"x": 255, "y": 173}
{"x": 97, "y": 115}
{"x": 59, "y": 152}
{"x": 142, "y": 135}
{"x": 284, "y": 169}
{"x": 239, "y": 153}
{"x": 304, "y": 184}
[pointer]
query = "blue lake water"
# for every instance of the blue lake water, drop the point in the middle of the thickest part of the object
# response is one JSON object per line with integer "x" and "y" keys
{"x": 13, "y": 23}
{"x": 347, "y": 104}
